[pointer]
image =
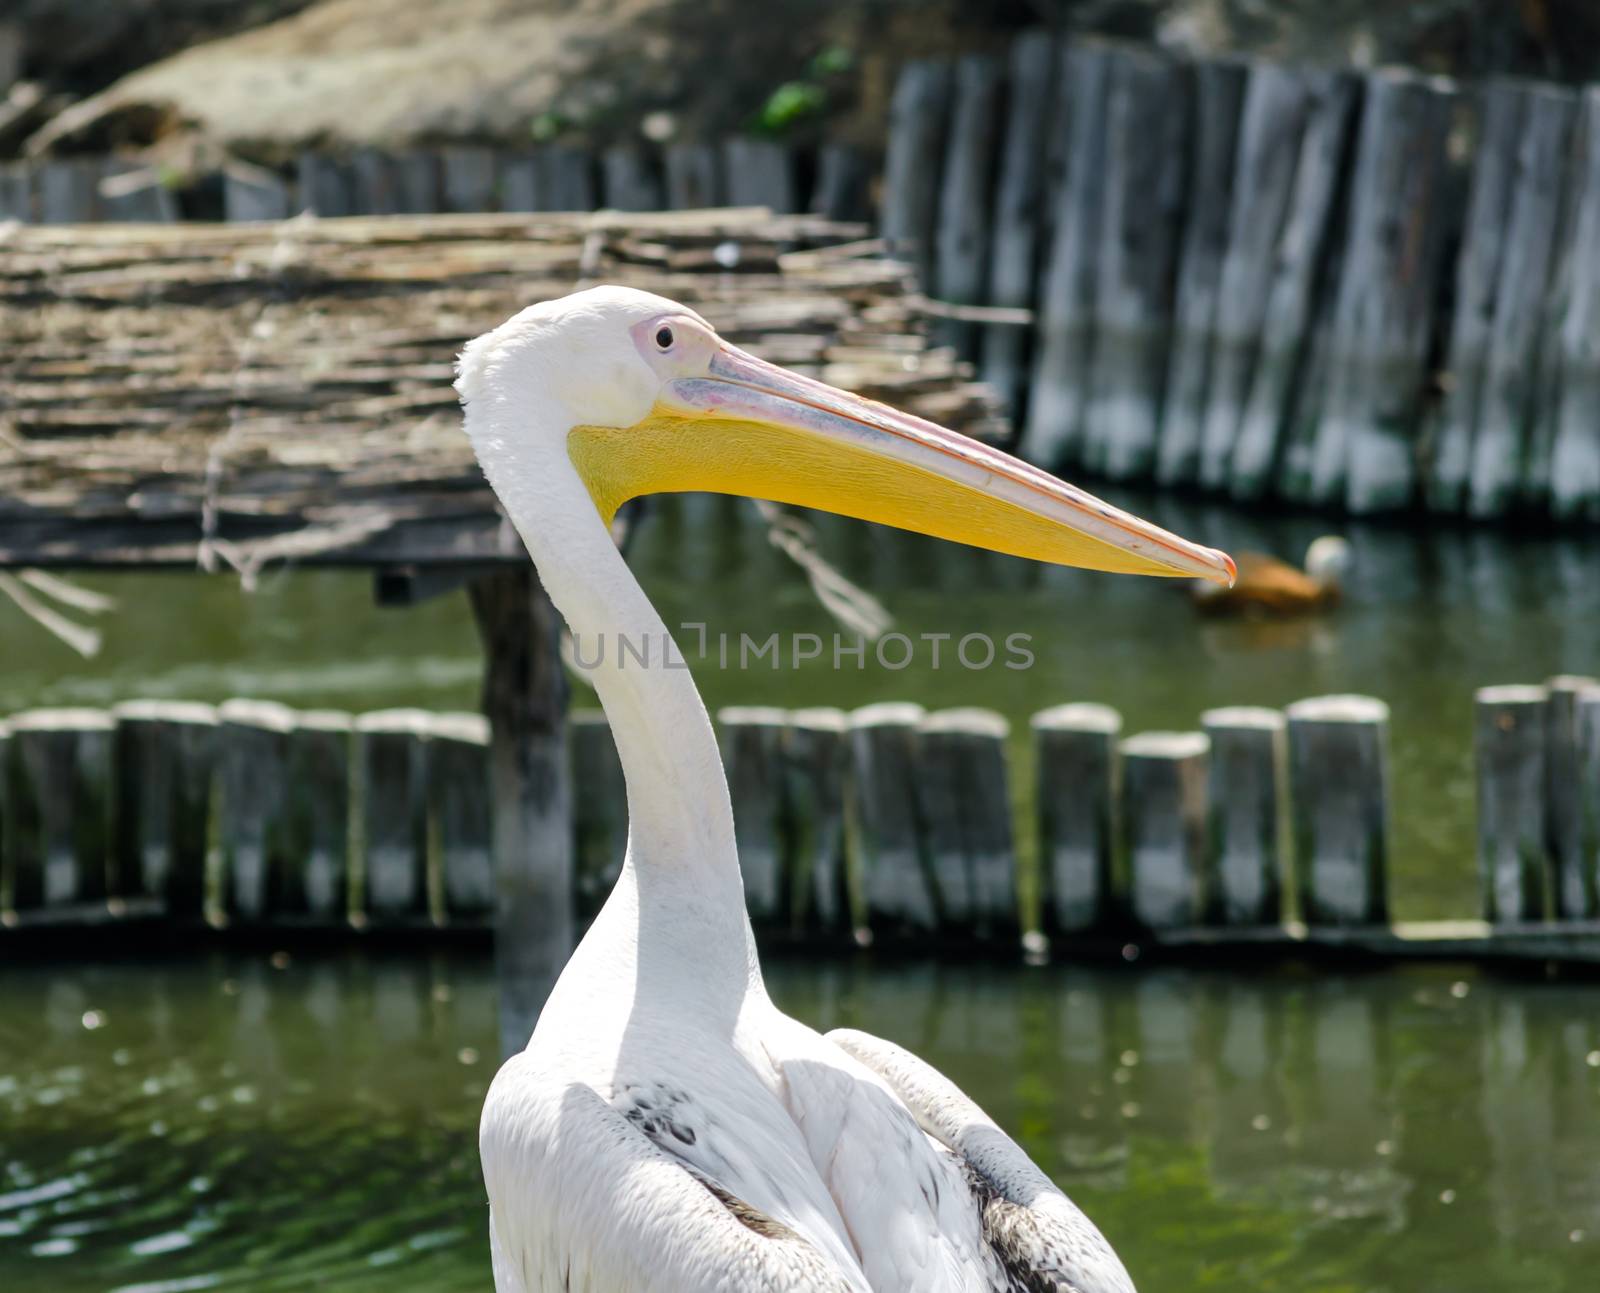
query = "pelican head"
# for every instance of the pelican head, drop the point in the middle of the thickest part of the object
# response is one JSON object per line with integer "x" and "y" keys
{"x": 647, "y": 398}
{"x": 1327, "y": 561}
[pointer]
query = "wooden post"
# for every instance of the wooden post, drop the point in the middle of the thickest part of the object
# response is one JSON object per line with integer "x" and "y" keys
{"x": 599, "y": 810}
{"x": 16, "y": 192}
{"x": 751, "y": 737}
{"x": 1477, "y": 283}
{"x": 468, "y": 175}
{"x": 163, "y": 759}
{"x": 1509, "y": 744}
{"x": 254, "y": 193}
{"x": 823, "y": 892}
{"x": 1588, "y": 727}
{"x": 1164, "y": 826}
{"x": 1147, "y": 114}
{"x": 129, "y": 192}
{"x": 7, "y": 824}
{"x": 1504, "y": 470}
{"x": 760, "y": 173}
{"x": 1339, "y": 790}
{"x": 1075, "y": 765}
{"x": 964, "y": 803}
{"x": 1219, "y": 96}
{"x": 694, "y": 177}
{"x": 375, "y": 182}
{"x": 418, "y": 183}
{"x": 392, "y": 763}
{"x": 566, "y": 179}
{"x": 961, "y": 257}
{"x": 1400, "y": 213}
{"x": 1574, "y": 343}
{"x": 525, "y": 699}
{"x": 883, "y": 757}
{"x": 317, "y": 810}
{"x": 844, "y": 184}
{"x": 1064, "y": 329}
{"x": 325, "y": 185}
{"x": 252, "y": 776}
{"x": 68, "y": 191}
{"x": 919, "y": 117}
{"x": 1015, "y": 242}
{"x": 461, "y": 814}
{"x": 1246, "y": 783}
{"x": 58, "y": 805}
{"x": 630, "y": 183}
{"x": 1572, "y": 877}
{"x": 518, "y": 182}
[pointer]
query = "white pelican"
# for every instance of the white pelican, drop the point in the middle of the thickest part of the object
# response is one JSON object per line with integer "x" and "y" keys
{"x": 668, "y": 1128}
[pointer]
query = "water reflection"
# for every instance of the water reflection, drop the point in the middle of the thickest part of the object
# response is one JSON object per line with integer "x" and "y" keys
{"x": 273, "y": 1123}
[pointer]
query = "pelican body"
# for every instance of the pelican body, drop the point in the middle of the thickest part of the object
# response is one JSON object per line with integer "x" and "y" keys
{"x": 668, "y": 1129}
{"x": 1270, "y": 588}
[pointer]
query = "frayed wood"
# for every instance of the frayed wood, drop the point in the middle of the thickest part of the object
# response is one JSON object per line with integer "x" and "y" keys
{"x": 318, "y": 803}
{"x": 392, "y": 771}
{"x": 895, "y": 876}
{"x": 964, "y": 807}
{"x": 1244, "y": 827}
{"x": 1509, "y": 745}
{"x": 1075, "y": 764}
{"x": 252, "y": 777}
{"x": 1572, "y": 874}
{"x": 57, "y": 840}
{"x": 164, "y": 757}
{"x": 1164, "y": 827}
{"x": 824, "y": 882}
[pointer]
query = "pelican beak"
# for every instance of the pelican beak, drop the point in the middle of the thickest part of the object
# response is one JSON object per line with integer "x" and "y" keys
{"x": 751, "y": 428}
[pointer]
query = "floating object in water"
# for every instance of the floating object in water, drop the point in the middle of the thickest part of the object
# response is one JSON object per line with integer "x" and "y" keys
{"x": 1268, "y": 586}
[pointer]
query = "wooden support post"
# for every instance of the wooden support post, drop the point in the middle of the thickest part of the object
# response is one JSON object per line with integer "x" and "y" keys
{"x": 163, "y": 761}
{"x": 519, "y": 182}
{"x": 883, "y": 741}
{"x": 823, "y": 891}
{"x": 566, "y": 179}
{"x": 760, "y": 173}
{"x": 254, "y": 193}
{"x": 16, "y": 192}
{"x": 630, "y": 182}
{"x": 418, "y": 182}
{"x": 1075, "y": 763}
{"x": 7, "y": 824}
{"x": 317, "y": 809}
{"x": 1219, "y": 96}
{"x": 1018, "y": 222}
{"x": 694, "y": 177}
{"x": 58, "y": 806}
{"x": 599, "y": 810}
{"x": 375, "y": 182}
{"x": 1339, "y": 791}
{"x": 1365, "y": 450}
{"x": 1164, "y": 827}
{"x": 752, "y": 738}
{"x": 961, "y": 258}
{"x": 1588, "y": 728}
{"x": 964, "y": 803}
{"x": 325, "y": 186}
{"x": 843, "y": 190}
{"x": 252, "y": 776}
{"x": 1572, "y": 878}
{"x": 392, "y": 764}
{"x": 525, "y": 699}
{"x": 1509, "y": 745}
{"x": 68, "y": 191}
{"x": 461, "y": 815}
{"x": 132, "y": 193}
{"x": 1246, "y": 787}
{"x": 468, "y": 178}
{"x": 1064, "y": 329}
{"x": 1573, "y": 347}
{"x": 919, "y": 117}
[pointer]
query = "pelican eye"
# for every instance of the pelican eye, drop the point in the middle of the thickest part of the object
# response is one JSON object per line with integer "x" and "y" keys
{"x": 664, "y": 338}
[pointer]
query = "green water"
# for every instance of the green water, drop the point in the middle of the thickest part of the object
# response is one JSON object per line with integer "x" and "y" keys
{"x": 230, "y": 1122}
{"x": 1431, "y": 614}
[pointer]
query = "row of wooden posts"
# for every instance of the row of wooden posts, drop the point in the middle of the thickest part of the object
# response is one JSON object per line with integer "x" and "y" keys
{"x": 1330, "y": 287}
{"x": 887, "y": 820}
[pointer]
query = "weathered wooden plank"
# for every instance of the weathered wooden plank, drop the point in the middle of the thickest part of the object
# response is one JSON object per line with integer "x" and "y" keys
{"x": 317, "y": 810}
{"x": 964, "y": 805}
{"x": 1064, "y": 330}
{"x": 1572, "y": 870}
{"x": 325, "y": 185}
{"x": 1016, "y": 239}
{"x": 164, "y": 754}
{"x": 961, "y": 257}
{"x": 254, "y": 193}
{"x": 1574, "y": 343}
{"x": 1339, "y": 790}
{"x": 461, "y": 814}
{"x": 1509, "y": 749}
{"x": 883, "y": 760}
{"x": 1246, "y": 788}
{"x": 760, "y": 173}
{"x": 1504, "y": 470}
{"x": 628, "y": 180}
{"x": 468, "y": 174}
{"x": 1075, "y": 763}
{"x": 599, "y": 810}
{"x": 751, "y": 738}
{"x": 252, "y": 779}
{"x": 843, "y": 190}
{"x": 1495, "y": 164}
{"x": 824, "y": 891}
{"x": 919, "y": 120}
{"x": 1164, "y": 826}
{"x": 1400, "y": 220}
{"x": 1147, "y": 122}
{"x": 58, "y": 804}
{"x": 1219, "y": 88}
{"x": 694, "y": 177}
{"x": 392, "y": 764}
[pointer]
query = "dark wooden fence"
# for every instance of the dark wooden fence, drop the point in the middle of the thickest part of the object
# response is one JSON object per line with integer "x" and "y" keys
{"x": 888, "y": 822}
